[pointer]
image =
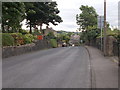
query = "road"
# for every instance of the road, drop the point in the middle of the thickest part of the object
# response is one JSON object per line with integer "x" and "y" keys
{"x": 65, "y": 67}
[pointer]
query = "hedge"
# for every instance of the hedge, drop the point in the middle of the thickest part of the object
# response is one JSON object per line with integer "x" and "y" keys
{"x": 28, "y": 38}
{"x": 7, "y": 39}
{"x": 10, "y": 39}
{"x": 53, "y": 43}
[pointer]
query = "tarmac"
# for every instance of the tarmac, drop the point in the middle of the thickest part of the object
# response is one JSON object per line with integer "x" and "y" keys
{"x": 104, "y": 70}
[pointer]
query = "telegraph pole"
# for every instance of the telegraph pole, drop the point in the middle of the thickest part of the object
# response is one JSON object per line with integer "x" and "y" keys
{"x": 105, "y": 28}
{"x": 101, "y": 30}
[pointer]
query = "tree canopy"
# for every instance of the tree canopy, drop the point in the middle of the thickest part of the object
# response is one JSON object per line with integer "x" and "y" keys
{"x": 13, "y": 14}
{"x": 87, "y": 18}
{"x": 36, "y": 14}
{"x": 42, "y": 13}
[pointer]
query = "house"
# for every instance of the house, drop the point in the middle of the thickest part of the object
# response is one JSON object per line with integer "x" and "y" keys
{"x": 74, "y": 39}
{"x": 48, "y": 30}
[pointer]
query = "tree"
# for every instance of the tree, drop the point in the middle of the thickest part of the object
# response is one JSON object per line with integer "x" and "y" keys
{"x": 64, "y": 36}
{"x": 51, "y": 35}
{"x": 90, "y": 35}
{"x": 87, "y": 18}
{"x": 87, "y": 21}
{"x": 42, "y": 13}
{"x": 36, "y": 14}
{"x": 49, "y": 14}
{"x": 12, "y": 16}
{"x": 53, "y": 16}
{"x": 30, "y": 14}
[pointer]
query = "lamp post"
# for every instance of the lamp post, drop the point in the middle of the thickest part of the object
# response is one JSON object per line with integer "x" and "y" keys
{"x": 105, "y": 29}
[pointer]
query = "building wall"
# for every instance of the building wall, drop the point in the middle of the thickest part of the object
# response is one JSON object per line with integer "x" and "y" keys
{"x": 48, "y": 30}
{"x": 74, "y": 39}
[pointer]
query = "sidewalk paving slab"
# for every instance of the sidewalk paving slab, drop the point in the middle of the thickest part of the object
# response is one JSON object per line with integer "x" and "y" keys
{"x": 104, "y": 70}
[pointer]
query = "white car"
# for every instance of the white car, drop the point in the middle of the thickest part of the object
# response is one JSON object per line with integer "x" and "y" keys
{"x": 73, "y": 45}
{"x": 64, "y": 45}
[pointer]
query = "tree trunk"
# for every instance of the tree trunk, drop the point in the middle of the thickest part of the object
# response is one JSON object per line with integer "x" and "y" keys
{"x": 40, "y": 27}
{"x": 30, "y": 28}
{"x": 3, "y": 29}
{"x": 47, "y": 27}
{"x": 8, "y": 29}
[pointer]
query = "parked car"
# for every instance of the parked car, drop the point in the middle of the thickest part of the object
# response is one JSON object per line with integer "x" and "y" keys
{"x": 64, "y": 45}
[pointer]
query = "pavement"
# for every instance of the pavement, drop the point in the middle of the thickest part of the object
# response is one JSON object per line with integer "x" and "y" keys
{"x": 115, "y": 59}
{"x": 65, "y": 67}
{"x": 104, "y": 70}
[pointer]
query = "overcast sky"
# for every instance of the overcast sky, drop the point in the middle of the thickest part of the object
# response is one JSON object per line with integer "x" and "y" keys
{"x": 69, "y": 9}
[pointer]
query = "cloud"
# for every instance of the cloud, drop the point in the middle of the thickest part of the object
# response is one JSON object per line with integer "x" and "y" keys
{"x": 69, "y": 9}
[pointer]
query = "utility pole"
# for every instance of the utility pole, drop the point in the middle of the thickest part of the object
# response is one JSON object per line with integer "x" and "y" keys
{"x": 101, "y": 26}
{"x": 105, "y": 29}
{"x": 101, "y": 30}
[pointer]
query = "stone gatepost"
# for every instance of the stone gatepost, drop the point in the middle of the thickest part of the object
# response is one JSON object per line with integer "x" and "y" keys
{"x": 110, "y": 40}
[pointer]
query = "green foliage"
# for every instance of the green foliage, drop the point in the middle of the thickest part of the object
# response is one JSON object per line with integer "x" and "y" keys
{"x": 53, "y": 12}
{"x": 53, "y": 43}
{"x": 36, "y": 14}
{"x": 18, "y": 37}
{"x": 39, "y": 13}
{"x": 12, "y": 15}
{"x": 115, "y": 33}
{"x": 28, "y": 38}
{"x": 90, "y": 34}
{"x": 87, "y": 18}
{"x": 118, "y": 37}
{"x": 23, "y": 31}
{"x": 64, "y": 36}
{"x": 7, "y": 40}
{"x": 87, "y": 21}
{"x": 51, "y": 35}
{"x": 23, "y": 39}
{"x": 112, "y": 33}
{"x": 10, "y": 39}
{"x": 36, "y": 32}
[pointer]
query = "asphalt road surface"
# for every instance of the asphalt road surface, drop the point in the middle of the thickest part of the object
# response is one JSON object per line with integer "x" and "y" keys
{"x": 66, "y": 67}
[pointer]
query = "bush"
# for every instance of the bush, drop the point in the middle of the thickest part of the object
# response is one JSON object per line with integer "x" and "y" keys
{"x": 18, "y": 37}
{"x": 36, "y": 32}
{"x": 51, "y": 35}
{"x": 10, "y": 39}
{"x": 23, "y": 31}
{"x": 53, "y": 43}
{"x": 28, "y": 38}
{"x": 7, "y": 39}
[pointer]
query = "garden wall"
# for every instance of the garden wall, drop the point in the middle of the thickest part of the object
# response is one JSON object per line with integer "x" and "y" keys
{"x": 17, "y": 50}
{"x": 109, "y": 46}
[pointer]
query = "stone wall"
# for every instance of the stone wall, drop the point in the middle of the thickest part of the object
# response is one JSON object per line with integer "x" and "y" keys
{"x": 109, "y": 44}
{"x": 17, "y": 50}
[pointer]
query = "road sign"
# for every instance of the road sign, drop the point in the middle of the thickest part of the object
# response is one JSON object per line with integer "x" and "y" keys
{"x": 100, "y": 22}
